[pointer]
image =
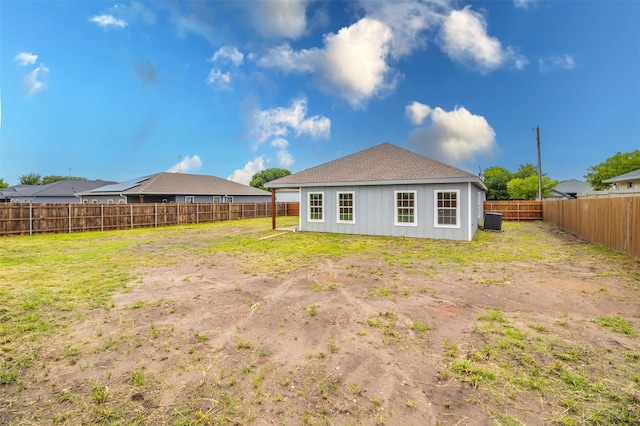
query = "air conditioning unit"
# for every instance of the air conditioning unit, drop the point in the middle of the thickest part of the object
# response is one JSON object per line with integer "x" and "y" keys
{"x": 493, "y": 221}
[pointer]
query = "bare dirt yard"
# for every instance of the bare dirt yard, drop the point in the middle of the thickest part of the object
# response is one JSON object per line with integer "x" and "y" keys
{"x": 237, "y": 324}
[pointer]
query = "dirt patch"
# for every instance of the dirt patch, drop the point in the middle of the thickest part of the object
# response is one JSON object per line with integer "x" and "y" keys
{"x": 352, "y": 341}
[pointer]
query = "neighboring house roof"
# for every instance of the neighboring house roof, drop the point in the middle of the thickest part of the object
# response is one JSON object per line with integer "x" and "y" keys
{"x": 381, "y": 164}
{"x": 14, "y": 191}
{"x": 62, "y": 188}
{"x": 633, "y": 175}
{"x": 178, "y": 184}
{"x": 572, "y": 186}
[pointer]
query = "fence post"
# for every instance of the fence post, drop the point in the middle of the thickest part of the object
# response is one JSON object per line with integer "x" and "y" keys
{"x": 131, "y": 215}
{"x": 69, "y": 217}
{"x": 197, "y": 217}
{"x": 177, "y": 213}
{"x": 102, "y": 217}
{"x": 30, "y": 219}
{"x": 518, "y": 211}
{"x": 156, "y": 216}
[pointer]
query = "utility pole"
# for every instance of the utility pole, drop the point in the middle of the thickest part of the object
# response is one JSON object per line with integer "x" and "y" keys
{"x": 539, "y": 165}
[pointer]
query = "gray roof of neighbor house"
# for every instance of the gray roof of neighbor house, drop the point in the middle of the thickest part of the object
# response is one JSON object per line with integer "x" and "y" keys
{"x": 178, "y": 184}
{"x": 382, "y": 164}
{"x": 62, "y": 188}
{"x": 627, "y": 176}
{"x": 572, "y": 186}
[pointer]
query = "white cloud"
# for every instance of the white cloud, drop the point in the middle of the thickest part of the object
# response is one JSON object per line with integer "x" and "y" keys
{"x": 106, "y": 21}
{"x": 454, "y": 137}
{"x": 186, "y": 165}
{"x": 285, "y": 159}
{"x": 289, "y": 60}
{"x": 464, "y": 38}
{"x": 355, "y": 61}
{"x": 566, "y": 62}
{"x": 245, "y": 174}
{"x": 219, "y": 80}
{"x": 228, "y": 54}
{"x": 352, "y": 64}
{"x": 408, "y": 21}
{"x": 33, "y": 79}
{"x": 25, "y": 58}
{"x": 417, "y": 112}
{"x": 280, "y": 18}
{"x": 523, "y": 4}
{"x": 280, "y": 143}
{"x": 278, "y": 122}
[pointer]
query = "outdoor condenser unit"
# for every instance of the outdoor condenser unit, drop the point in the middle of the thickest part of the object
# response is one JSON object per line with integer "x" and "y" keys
{"x": 493, "y": 221}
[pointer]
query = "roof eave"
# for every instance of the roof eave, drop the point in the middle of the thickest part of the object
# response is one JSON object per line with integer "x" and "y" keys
{"x": 477, "y": 181}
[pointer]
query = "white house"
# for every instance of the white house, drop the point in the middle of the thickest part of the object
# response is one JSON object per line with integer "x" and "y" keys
{"x": 388, "y": 190}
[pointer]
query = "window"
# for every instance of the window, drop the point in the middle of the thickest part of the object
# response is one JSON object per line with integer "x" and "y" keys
{"x": 85, "y": 201}
{"x": 110, "y": 201}
{"x": 316, "y": 207}
{"x": 405, "y": 212}
{"x": 121, "y": 201}
{"x": 217, "y": 199}
{"x": 94, "y": 201}
{"x": 345, "y": 207}
{"x": 447, "y": 213}
{"x": 189, "y": 199}
{"x": 229, "y": 199}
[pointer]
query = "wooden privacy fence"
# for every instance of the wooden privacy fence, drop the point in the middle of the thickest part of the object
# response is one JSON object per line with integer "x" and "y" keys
{"x": 614, "y": 222}
{"x": 515, "y": 210}
{"x": 28, "y": 219}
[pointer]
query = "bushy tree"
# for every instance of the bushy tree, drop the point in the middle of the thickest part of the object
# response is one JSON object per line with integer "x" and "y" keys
{"x": 55, "y": 178}
{"x": 496, "y": 179}
{"x": 527, "y": 188}
{"x": 617, "y": 165}
{"x": 3, "y": 184}
{"x": 30, "y": 179}
{"x": 267, "y": 175}
{"x": 525, "y": 171}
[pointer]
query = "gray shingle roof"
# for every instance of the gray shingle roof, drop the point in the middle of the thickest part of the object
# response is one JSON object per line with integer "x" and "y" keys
{"x": 572, "y": 186}
{"x": 633, "y": 175}
{"x": 179, "y": 184}
{"x": 62, "y": 188}
{"x": 381, "y": 164}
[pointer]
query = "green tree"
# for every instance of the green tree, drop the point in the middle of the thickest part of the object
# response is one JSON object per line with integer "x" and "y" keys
{"x": 30, "y": 179}
{"x": 527, "y": 188}
{"x": 525, "y": 171}
{"x": 3, "y": 184}
{"x": 54, "y": 178}
{"x": 617, "y": 165}
{"x": 496, "y": 179}
{"x": 267, "y": 175}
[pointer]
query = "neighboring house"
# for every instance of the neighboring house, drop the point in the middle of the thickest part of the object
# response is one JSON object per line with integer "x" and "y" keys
{"x": 63, "y": 191}
{"x": 569, "y": 189}
{"x": 626, "y": 181}
{"x": 176, "y": 188}
{"x": 388, "y": 190}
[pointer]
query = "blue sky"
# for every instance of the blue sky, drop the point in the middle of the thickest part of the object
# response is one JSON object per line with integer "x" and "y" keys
{"x": 117, "y": 90}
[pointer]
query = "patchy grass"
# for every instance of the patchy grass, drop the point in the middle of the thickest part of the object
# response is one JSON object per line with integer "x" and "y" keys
{"x": 52, "y": 283}
{"x": 617, "y": 324}
{"x": 512, "y": 364}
